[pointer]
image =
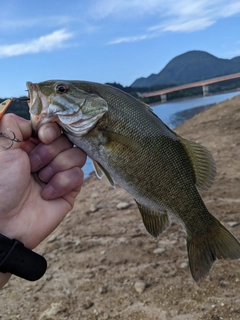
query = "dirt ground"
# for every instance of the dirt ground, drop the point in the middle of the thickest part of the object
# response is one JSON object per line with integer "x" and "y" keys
{"x": 104, "y": 265}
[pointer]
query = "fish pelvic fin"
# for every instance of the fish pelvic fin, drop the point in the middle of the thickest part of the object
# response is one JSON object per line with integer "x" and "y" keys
{"x": 154, "y": 221}
{"x": 100, "y": 172}
{"x": 202, "y": 162}
{"x": 219, "y": 243}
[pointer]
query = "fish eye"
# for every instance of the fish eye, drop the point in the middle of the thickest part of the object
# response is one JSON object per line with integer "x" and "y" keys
{"x": 61, "y": 88}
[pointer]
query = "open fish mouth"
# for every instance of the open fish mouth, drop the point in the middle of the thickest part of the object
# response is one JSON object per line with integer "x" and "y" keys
{"x": 38, "y": 106}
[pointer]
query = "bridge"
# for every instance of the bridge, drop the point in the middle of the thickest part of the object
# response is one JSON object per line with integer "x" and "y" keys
{"x": 204, "y": 84}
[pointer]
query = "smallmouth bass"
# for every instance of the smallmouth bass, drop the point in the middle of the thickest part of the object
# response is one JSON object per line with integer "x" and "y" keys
{"x": 129, "y": 144}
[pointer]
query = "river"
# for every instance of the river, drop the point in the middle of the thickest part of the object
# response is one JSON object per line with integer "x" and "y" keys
{"x": 175, "y": 113}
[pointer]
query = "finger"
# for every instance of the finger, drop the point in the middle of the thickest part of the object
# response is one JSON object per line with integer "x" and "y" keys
{"x": 44, "y": 153}
{"x": 49, "y": 132}
{"x": 30, "y": 145}
{"x": 63, "y": 183}
{"x": 65, "y": 160}
{"x": 20, "y": 127}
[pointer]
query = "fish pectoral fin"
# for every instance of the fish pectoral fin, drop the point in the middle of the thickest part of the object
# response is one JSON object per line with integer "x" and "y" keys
{"x": 154, "y": 221}
{"x": 100, "y": 172}
{"x": 203, "y": 250}
{"x": 202, "y": 162}
{"x": 119, "y": 138}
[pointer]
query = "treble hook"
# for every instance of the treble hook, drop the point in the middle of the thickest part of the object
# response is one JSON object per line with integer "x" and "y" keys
{"x": 14, "y": 139}
{"x": 3, "y": 107}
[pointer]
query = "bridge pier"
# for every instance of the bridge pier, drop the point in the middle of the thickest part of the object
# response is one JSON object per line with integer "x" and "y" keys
{"x": 205, "y": 90}
{"x": 163, "y": 98}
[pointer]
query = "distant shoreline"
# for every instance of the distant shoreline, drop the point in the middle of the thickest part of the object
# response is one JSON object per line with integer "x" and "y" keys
{"x": 193, "y": 97}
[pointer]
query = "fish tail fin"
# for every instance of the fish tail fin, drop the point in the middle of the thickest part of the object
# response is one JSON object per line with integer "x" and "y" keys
{"x": 219, "y": 243}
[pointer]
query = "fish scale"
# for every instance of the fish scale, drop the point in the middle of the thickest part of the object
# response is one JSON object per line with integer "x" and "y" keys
{"x": 129, "y": 144}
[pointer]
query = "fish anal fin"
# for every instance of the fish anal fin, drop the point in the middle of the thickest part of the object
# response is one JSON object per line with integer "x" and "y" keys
{"x": 154, "y": 221}
{"x": 202, "y": 162}
{"x": 219, "y": 243}
{"x": 100, "y": 172}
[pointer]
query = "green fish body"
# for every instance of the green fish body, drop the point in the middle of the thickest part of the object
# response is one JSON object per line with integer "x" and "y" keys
{"x": 129, "y": 144}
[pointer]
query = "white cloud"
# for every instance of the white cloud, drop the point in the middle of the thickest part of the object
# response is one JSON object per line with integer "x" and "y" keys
{"x": 183, "y": 25}
{"x": 124, "y": 8}
{"x": 128, "y": 39}
{"x": 49, "y": 42}
{"x": 169, "y": 16}
{"x": 47, "y": 21}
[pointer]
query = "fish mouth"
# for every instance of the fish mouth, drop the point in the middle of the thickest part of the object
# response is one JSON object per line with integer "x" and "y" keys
{"x": 38, "y": 105}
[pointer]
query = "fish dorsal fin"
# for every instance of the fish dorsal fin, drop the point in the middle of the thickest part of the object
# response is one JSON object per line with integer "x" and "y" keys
{"x": 202, "y": 162}
{"x": 154, "y": 221}
{"x": 147, "y": 106}
{"x": 100, "y": 172}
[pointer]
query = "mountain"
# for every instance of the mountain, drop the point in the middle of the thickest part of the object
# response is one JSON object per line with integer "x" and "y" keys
{"x": 190, "y": 67}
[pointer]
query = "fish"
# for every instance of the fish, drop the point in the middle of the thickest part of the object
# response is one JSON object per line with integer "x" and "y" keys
{"x": 130, "y": 145}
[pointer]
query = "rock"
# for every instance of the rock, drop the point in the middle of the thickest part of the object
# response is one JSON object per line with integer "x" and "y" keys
{"x": 139, "y": 286}
{"x": 184, "y": 265}
{"x": 93, "y": 208}
{"x": 50, "y": 313}
{"x": 233, "y": 223}
{"x": 51, "y": 238}
{"x": 95, "y": 195}
{"x": 88, "y": 304}
{"x": 103, "y": 289}
{"x": 159, "y": 250}
{"x": 123, "y": 205}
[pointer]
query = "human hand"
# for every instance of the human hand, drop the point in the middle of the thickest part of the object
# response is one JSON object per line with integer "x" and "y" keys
{"x": 40, "y": 179}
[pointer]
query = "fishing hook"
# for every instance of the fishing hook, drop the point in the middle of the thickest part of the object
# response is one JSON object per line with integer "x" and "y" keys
{"x": 14, "y": 139}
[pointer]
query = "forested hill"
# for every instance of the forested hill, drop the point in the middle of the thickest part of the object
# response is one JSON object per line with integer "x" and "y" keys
{"x": 190, "y": 67}
{"x": 19, "y": 107}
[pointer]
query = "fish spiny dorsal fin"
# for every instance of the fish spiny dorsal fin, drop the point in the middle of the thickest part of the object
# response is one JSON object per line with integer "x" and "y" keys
{"x": 154, "y": 221}
{"x": 100, "y": 172}
{"x": 148, "y": 107}
{"x": 202, "y": 162}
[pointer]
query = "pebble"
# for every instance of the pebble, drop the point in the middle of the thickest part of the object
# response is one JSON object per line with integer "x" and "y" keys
{"x": 95, "y": 195}
{"x": 139, "y": 286}
{"x": 123, "y": 205}
{"x": 51, "y": 238}
{"x": 184, "y": 265}
{"x": 159, "y": 250}
{"x": 103, "y": 289}
{"x": 233, "y": 223}
{"x": 93, "y": 208}
{"x": 49, "y": 313}
{"x": 88, "y": 304}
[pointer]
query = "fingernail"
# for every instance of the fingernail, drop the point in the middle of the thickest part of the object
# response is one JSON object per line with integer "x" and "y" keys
{"x": 50, "y": 134}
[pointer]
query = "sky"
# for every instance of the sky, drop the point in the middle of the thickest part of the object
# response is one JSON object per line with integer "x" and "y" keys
{"x": 108, "y": 40}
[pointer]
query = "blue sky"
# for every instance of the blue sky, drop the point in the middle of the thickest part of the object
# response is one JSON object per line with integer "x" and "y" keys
{"x": 108, "y": 40}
